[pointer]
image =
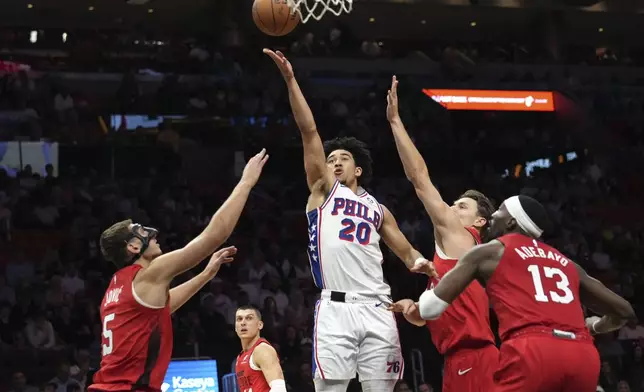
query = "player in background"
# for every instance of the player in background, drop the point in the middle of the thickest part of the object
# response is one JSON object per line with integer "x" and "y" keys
{"x": 462, "y": 334}
{"x": 353, "y": 332}
{"x": 257, "y": 367}
{"x": 537, "y": 294}
{"x": 136, "y": 308}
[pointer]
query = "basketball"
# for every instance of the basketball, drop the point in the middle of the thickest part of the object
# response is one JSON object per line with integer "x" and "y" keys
{"x": 273, "y": 17}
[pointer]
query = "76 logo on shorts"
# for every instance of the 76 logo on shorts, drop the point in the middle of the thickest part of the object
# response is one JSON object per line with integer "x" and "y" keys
{"x": 393, "y": 365}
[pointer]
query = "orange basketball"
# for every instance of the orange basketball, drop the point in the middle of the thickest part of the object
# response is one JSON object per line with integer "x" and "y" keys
{"x": 273, "y": 17}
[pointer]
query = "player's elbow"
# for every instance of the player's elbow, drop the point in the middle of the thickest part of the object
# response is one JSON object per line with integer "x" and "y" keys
{"x": 222, "y": 230}
{"x": 625, "y": 311}
{"x": 418, "y": 176}
{"x": 430, "y": 306}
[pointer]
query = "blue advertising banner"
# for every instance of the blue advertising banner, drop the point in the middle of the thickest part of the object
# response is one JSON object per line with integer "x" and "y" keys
{"x": 191, "y": 376}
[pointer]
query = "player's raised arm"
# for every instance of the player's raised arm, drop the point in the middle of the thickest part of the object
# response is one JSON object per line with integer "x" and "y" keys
{"x": 432, "y": 303}
{"x": 616, "y": 310}
{"x": 159, "y": 274}
{"x": 314, "y": 157}
{"x": 443, "y": 218}
{"x": 398, "y": 243}
{"x": 181, "y": 294}
{"x": 265, "y": 357}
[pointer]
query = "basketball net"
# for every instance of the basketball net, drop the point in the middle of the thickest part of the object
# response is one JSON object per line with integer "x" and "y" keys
{"x": 316, "y": 9}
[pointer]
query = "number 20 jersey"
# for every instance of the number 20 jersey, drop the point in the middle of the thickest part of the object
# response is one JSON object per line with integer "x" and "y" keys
{"x": 136, "y": 341}
{"x": 534, "y": 285}
{"x": 344, "y": 243}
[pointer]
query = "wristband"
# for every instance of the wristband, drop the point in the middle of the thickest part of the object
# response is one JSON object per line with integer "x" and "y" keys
{"x": 430, "y": 306}
{"x": 278, "y": 386}
{"x": 592, "y": 327}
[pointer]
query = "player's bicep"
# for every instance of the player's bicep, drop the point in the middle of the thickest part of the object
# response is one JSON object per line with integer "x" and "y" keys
{"x": 439, "y": 212}
{"x": 167, "y": 266}
{"x": 467, "y": 269}
{"x": 265, "y": 357}
{"x": 393, "y": 237}
{"x": 600, "y": 299}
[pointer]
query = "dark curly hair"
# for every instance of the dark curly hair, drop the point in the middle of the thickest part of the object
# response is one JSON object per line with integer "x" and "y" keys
{"x": 360, "y": 152}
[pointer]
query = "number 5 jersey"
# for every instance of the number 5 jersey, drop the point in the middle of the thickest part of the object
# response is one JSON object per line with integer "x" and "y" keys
{"x": 136, "y": 338}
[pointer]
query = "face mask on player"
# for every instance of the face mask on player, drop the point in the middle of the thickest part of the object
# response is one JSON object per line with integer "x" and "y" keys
{"x": 145, "y": 234}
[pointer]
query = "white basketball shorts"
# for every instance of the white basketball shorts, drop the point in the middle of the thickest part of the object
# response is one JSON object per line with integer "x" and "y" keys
{"x": 358, "y": 335}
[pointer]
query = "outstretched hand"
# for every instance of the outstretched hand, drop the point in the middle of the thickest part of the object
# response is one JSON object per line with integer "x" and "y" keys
{"x": 424, "y": 266}
{"x": 254, "y": 167}
{"x": 282, "y": 63}
{"x": 220, "y": 257}
{"x": 392, "y": 101}
{"x": 404, "y": 306}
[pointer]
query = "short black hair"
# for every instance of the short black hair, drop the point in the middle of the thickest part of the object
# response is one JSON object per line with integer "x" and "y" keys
{"x": 536, "y": 212}
{"x": 485, "y": 207}
{"x": 251, "y": 307}
{"x": 360, "y": 152}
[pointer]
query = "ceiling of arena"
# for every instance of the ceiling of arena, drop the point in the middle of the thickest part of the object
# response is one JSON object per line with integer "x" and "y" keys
{"x": 582, "y": 19}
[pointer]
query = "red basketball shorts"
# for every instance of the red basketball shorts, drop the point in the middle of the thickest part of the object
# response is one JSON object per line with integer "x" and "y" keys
{"x": 536, "y": 363}
{"x": 470, "y": 370}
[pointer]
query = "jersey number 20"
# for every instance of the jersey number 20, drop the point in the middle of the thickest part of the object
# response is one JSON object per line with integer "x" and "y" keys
{"x": 107, "y": 335}
{"x": 562, "y": 284}
{"x": 350, "y": 231}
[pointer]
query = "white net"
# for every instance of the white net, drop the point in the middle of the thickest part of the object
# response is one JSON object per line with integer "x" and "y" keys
{"x": 316, "y": 9}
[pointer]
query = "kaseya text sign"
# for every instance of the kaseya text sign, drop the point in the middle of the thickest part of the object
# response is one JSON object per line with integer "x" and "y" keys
{"x": 191, "y": 376}
{"x": 527, "y": 101}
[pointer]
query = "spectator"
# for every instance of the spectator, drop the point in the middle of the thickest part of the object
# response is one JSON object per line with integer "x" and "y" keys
{"x": 7, "y": 294}
{"x": 63, "y": 378}
{"x": 607, "y": 378}
{"x": 39, "y": 331}
{"x": 402, "y": 387}
{"x": 64, "y": 105}
{"x": 272, "y": 290}
{"x": 631, "y": 331}
{"x": 425, "y": 388}
{"x": 71, "y": 282}
{"x": 623, "y": 386}
{"x": 19, "y": 383}
{"x": 6, "y": 326}
{"x": 600, "y": 258}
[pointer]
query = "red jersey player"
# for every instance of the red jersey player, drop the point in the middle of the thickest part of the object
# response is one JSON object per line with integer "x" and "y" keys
{"x": 535, "y": 292}
{"x": 257, "y": 367}
{"x": 136, "y": 308}
{"x": 463, "y": 333}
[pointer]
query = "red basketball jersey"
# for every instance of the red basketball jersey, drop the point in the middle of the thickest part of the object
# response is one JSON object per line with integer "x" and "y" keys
{"x": 249, "y": 377}
{"x": 534, "y": 285}
{"x": 466, "y": 323}
{"x": 137, "y": 339}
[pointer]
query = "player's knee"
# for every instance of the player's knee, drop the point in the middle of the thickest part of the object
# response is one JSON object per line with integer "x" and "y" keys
{"x": 378, "y": 385}
{"x": 331, "y": 385}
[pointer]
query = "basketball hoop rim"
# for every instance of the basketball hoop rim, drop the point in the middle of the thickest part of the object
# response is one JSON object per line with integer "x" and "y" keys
{"x": 319, "y": 8}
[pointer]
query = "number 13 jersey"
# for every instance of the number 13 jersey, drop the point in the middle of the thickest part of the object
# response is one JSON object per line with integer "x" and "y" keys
{"x": 344, "y": 243}
{"x": 534, "y": 285}
{"x": 136, "y": 341}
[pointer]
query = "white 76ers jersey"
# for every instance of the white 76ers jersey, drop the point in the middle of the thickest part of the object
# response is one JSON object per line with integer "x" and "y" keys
{"x": 344, "y": 243}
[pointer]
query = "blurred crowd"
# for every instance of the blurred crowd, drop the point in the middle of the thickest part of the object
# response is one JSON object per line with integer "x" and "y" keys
{"x": 52, "y": 277}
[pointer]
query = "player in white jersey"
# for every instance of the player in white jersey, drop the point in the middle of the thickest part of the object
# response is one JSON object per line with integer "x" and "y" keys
{"x": 353, "y": 330}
